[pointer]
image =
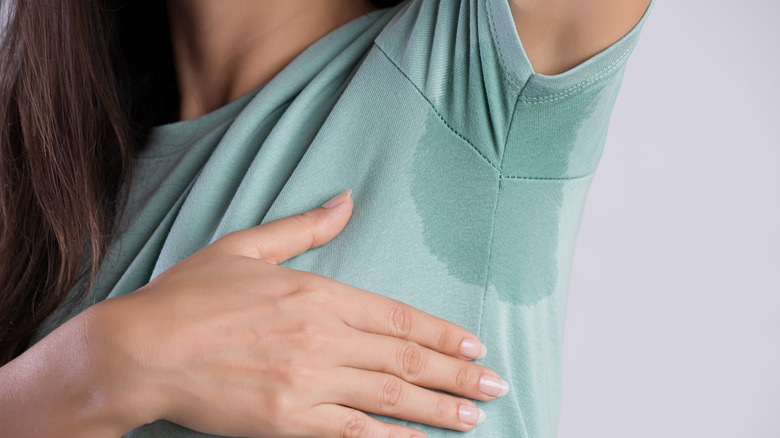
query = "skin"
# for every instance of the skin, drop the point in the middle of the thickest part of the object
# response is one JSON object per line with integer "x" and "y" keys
{"x": 282, "y": 352}
{"x": 558, "y": 35}
{"x": 221, "y": 54}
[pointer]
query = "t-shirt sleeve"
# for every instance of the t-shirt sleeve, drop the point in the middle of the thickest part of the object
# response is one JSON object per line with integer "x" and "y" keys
{"x": 466, "y": 58}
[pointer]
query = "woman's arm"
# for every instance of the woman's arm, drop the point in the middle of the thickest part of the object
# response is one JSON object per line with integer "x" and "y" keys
{"x": 558, "y": 35}
{"x": 228, "y": 342}
{"x": 59, "y": 388}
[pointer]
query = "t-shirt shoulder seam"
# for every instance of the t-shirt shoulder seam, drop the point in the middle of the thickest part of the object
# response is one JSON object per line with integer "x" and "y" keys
{"x": 514, "y": 87}
{"x": 436, "y": 111}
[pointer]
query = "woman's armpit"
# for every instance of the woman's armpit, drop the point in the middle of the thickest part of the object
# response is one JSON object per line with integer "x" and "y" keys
{"x": 559, "y": 35}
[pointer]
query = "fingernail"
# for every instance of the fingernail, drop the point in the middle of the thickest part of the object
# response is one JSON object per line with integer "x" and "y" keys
{"x": 471, "y": 415}
{"x": 493, "y": 386}
{"x": 474, "y": 349}
{"x": 338, "y": 199}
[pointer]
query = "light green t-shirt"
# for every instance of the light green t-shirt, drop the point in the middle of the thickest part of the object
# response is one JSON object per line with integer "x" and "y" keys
{"x": 469, "y": 173}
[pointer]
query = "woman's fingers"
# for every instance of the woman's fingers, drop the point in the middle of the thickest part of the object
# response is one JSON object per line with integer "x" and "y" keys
{"x": 373, "y": 313}
{"x": 422, "y": 366}
{"x": 334, "y": 421}
{"x": 392, "y": 396}
{"x": 282, "y": 239}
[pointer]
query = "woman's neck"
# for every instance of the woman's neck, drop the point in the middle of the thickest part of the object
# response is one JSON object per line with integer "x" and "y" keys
{"x": 224, "y": 50}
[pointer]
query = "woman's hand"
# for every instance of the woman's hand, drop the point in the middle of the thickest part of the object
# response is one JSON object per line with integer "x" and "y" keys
{"x": 228, "y": 342}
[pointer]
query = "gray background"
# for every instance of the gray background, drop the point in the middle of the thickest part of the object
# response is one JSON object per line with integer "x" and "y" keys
{"x": 674, "y": 305}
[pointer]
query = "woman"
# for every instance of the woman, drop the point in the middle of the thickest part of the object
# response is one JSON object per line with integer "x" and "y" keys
{"x": 470, "y": 156}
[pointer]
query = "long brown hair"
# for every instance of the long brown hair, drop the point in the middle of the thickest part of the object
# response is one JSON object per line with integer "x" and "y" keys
{"x": 81, "y": 83}
{"x": 76, "y": 85}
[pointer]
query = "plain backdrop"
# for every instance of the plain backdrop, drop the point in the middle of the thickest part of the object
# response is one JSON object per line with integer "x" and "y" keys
{"x": 673, "y": 324}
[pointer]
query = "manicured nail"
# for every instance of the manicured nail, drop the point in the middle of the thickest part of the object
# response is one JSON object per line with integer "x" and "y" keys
{"x": 338, "y": 199}
{"x": 473, "y": 349}
{"x": 493, "y": 386}
{"x": 471, "y": 415}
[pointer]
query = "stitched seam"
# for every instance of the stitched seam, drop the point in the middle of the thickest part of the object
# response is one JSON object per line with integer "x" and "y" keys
{"x": 454, "y": 131}
{"x": 507, "y": 78}
{"x": 506, "y": 137}
{"x": 493, "y": 221}
{"x": 489, "y": 259}
{"x": 534, "y": 178}
{"x": 577, "y": 88}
